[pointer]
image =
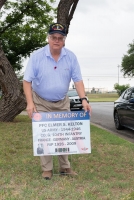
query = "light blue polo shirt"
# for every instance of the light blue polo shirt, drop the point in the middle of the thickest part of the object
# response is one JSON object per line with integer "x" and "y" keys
{"x": 51, "y": 79}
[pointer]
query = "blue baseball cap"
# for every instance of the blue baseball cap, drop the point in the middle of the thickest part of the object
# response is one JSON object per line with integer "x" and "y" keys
{"x": 57, "y": 28}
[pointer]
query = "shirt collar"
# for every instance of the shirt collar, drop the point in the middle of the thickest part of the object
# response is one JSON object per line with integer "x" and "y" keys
{"x": 48, "y": 53}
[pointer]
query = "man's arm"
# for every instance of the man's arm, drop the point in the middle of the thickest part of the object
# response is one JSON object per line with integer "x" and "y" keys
{"x": 81, "y": 92}
{"x": 28, "y": 93}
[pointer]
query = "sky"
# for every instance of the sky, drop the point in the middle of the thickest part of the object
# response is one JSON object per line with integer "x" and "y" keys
{"x": 99, "y": 35}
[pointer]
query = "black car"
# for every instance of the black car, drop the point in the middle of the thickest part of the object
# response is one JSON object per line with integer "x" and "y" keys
{"x": 124, "y": 110}
{"x": 75, "y": 101}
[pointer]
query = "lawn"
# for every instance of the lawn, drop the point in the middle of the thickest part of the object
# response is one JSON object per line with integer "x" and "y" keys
{"x": 105, "y": 174}
{"x": 103, "y": 97}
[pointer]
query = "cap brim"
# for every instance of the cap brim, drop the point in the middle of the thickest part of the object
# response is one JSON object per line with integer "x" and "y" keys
{"x": 52, "y": 32}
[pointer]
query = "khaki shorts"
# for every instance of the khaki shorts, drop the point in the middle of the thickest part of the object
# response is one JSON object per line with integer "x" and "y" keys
{"x": 47, "y": 106}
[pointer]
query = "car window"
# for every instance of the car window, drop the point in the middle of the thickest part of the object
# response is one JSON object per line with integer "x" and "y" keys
{"x": 132, "y": 94}
{"x": 72, "y": 93}
{"x": 127, "y": 94}
{"x": 122, "y": 95}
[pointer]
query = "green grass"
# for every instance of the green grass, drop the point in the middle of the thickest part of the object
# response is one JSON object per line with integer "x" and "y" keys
{"x": 103, "y": 97}
{"x": 105, "y": 174}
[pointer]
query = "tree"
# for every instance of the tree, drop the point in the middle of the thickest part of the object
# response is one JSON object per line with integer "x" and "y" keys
{"x": 120, "y": 88}
{"x": 24, "y": 28}
{"x": 66, "y": 9}
{"x": 19, "y": 34}
{"x": 128, "y": 61}
{"x": 13, "y": 100}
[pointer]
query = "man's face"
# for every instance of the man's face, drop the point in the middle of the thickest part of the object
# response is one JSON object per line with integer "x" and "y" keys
{"x": 56, "y": 41}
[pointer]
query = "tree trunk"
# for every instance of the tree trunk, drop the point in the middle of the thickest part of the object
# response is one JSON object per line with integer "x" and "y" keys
{"x": 13, "y": 101}
{"x": 66, "y": 9}
{"x": 2, "y": 3}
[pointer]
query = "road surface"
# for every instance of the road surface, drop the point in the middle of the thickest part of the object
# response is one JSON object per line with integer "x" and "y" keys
{"x": 102, "y": 115}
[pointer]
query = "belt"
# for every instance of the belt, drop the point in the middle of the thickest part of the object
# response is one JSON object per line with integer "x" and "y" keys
{"x": 54, "y": 101}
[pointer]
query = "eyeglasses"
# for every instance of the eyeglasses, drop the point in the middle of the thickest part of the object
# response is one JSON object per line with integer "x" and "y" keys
{"x": 59, "y": 39}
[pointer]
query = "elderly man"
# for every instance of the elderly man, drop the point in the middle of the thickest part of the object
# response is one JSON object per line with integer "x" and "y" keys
{"x": 46, "y": 83}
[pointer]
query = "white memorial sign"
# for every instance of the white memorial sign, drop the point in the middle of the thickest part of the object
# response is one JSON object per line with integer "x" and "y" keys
{"x": 60, "y": 133}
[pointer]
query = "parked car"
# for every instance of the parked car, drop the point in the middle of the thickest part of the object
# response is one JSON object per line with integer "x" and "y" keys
{"x": 75, "y": 101}
{"x": 124, "y": 110}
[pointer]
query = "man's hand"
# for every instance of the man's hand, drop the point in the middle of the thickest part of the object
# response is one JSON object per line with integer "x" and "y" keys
{"x": 28, "y": 93}
{"x": 86, "y": 106}
{"x": 31, "y": 109}
{"x": 81, "y": 92}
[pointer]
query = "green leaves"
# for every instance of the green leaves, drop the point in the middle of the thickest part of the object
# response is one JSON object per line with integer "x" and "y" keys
{"x": 23, "y": 28}
{"x": 128, "y": 62}
{"x": 120, "y": 88}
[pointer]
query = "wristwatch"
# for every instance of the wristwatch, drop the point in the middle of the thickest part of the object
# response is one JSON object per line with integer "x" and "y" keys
{"x": 84, "y": 98}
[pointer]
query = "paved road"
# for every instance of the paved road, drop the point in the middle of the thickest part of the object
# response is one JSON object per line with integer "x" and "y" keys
{"x": 102, "y": 115}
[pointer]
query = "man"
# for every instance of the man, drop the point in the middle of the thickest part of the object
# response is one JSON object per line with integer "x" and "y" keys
{"x": 46, "y": 83}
